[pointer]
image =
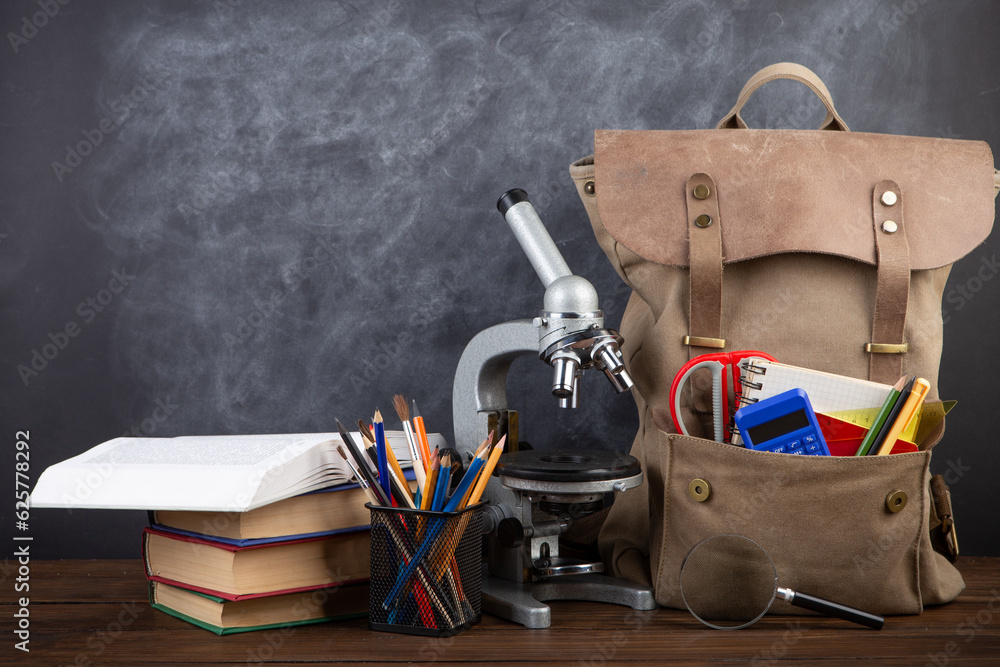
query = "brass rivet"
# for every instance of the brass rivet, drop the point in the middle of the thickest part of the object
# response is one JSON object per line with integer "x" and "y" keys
{"x": 588, "y": 187}
{"x": 701, "y": 191}
{"x": 699, "y": 489}
{"x": 888, "y": 197}
{"x": 895, "y": 501}
{"x": 703, "y": 220}
{"x": 889, "y": 227}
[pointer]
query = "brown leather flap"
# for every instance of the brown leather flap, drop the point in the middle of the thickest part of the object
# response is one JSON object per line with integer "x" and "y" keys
{"x": 793, "y": 191}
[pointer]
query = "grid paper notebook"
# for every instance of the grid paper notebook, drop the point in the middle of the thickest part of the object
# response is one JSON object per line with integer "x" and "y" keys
{"x": 828, "y": 393}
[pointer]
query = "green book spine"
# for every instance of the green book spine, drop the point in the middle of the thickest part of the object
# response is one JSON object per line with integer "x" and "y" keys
{"x": 231, "y": 631}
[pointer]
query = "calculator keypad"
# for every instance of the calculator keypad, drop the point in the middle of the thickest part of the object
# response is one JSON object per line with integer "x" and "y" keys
{"x": 805, "y": 445}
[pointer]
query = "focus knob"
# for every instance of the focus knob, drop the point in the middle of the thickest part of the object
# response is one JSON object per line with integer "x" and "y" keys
{"x": 510, "y": 532}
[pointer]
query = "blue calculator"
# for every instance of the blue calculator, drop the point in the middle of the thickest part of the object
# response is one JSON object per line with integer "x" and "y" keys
{"x": 785, "y": 424}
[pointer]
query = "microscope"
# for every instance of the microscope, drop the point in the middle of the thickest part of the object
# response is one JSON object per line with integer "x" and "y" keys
{"x": 539, "y": 493}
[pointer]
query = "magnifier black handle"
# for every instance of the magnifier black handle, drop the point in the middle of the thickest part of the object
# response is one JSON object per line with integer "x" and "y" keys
{"x": 832, "y": 609}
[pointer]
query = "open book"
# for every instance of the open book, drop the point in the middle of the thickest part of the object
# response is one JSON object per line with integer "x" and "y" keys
{"x": 219, "y": 473}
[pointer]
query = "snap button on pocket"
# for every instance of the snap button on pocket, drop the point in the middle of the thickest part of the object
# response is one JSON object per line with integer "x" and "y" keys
{"x": 895, "y": 501}
{"x": 699, "y": 489}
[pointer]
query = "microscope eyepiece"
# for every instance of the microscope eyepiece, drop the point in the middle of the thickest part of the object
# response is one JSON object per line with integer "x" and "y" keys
{"x": 509, "y": 198}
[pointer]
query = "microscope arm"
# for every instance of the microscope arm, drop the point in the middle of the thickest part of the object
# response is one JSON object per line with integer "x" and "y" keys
{"x": 481, "y": 378}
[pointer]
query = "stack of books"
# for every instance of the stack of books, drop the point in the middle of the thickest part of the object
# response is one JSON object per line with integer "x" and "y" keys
{"x": 247, "y": 532}
{"x": 295, "y": 561}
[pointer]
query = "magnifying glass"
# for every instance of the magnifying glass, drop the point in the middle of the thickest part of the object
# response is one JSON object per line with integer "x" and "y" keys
{"x": 729, "y": 582}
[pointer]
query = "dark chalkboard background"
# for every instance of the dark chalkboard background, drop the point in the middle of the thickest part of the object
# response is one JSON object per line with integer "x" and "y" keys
{"x": 232, "y": 142}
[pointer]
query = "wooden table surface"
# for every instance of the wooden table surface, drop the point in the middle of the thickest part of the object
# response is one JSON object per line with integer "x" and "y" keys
{"x": 96, "y": 612}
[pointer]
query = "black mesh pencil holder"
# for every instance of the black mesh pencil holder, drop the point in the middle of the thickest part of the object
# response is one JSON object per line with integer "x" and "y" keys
{"x": 426, "y": 570}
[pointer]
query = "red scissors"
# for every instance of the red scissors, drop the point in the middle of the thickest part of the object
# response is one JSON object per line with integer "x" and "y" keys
{"x": 716, "y": 363}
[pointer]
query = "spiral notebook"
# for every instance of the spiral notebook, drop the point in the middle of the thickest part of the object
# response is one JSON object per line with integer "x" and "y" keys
{"x": 849, "y": 399}
{"x": 843, "y": 398}
{"x": 828, "y": 393}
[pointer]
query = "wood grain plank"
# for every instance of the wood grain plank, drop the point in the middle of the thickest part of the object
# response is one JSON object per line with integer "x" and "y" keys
{"x": 95, "y": 612}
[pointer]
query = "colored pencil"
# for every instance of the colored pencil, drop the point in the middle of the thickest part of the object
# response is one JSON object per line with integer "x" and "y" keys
{"x": 487, "y": 471}
{"x": 421, "y": 431}
{"x": 883, "y": 413}
{"x": 463, "y": 488}
{"x": 891, "y": 419}
{"x": 400, "y": 486}
{"x": 383, "y": 459}
{"x": 443, "y": 480}
{"x": 429, "y": 485}
{"x": 913, "y": 402}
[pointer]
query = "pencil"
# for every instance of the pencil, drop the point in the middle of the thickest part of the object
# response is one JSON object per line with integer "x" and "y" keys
{"x": 891, "y": 419}
{"x": 464, "y": 488}
{"x": 383, "y": 459}
{"x": 487, "y": 470}
{"x": 913, "y": 402}
{"x": 370, "y": 449}
{"x": 421, "y": 431}
{"x": 883, "y": 414}
{"x": 428, "y": 490}
{"x": 441, "y": 487}
{"x": 399, "y": 484}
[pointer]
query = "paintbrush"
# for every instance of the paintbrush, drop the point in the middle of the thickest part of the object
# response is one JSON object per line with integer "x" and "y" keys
{"x": 362, "y": 465}
{"x": 362, "y": 482}
{"x": 419, "y": 465}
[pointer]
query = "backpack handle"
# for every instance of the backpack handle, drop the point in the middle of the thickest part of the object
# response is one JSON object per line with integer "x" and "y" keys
{"x": 792, "y": 71}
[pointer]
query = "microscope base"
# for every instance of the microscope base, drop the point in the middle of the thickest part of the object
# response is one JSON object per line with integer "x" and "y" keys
{"x": 524, "y": 603}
